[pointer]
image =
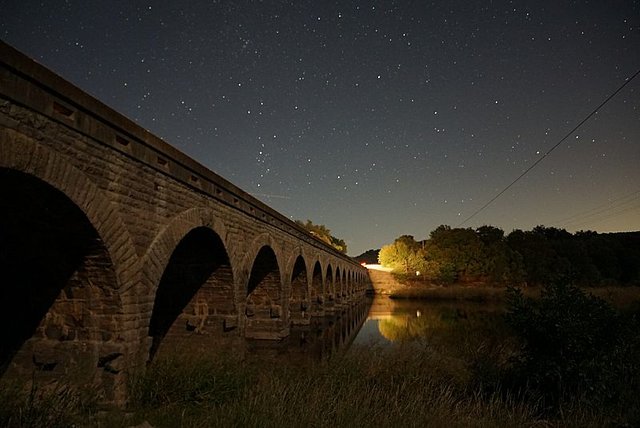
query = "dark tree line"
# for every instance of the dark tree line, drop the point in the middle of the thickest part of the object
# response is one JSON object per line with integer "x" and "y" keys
{"x": 536, "y": 257}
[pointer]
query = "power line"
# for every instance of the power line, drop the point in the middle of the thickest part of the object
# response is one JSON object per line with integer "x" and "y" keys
{"x": 548, "y": 152}
{"x": 613, "y": 204}
{"x": 608, "y": 216}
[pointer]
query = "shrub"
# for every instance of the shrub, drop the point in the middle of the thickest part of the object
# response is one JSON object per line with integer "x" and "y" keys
{"x": 573, "y": 344}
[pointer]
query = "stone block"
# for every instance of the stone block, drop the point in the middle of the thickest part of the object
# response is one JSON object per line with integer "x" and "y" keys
{"x": 275, "y": 311}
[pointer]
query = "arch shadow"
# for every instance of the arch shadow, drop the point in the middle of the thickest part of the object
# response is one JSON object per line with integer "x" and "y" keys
{"x": 195, "y": 290}
{"x": 59, "y": 300}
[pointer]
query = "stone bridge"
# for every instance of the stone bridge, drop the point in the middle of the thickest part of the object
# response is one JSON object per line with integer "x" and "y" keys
{"x": 114, "y": 245}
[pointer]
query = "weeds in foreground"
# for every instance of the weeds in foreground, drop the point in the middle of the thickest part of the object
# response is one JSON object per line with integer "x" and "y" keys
{"x": 54, "y": 405}
{"x": 177, "y": 381}
{"x": 401, "y": 387}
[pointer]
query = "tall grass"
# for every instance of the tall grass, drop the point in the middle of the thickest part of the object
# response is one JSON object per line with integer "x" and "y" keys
{"x": 407, "y": 386}
{"x": 411, "y": 385}
{"x": 52, "y": 405}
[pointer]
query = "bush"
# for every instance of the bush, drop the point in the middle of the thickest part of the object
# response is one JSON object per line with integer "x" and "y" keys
{"x": 573, "y": 345}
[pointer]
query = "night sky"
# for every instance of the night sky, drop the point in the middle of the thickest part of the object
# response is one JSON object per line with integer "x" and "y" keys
{"x": 374, "y": 118}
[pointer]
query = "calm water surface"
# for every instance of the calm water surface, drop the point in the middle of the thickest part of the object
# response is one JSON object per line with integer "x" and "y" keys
{"x": 390, "y": 322}
{"x": 381, "y": 321}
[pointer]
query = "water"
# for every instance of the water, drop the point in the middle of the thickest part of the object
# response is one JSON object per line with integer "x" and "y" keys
{"x": 392, "y": 322}
{"x": 381, "y": 321}
{"x": 324, "y": 337}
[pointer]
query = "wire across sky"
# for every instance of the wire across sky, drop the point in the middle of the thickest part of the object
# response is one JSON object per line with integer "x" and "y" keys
{"x": 376, "y": 119}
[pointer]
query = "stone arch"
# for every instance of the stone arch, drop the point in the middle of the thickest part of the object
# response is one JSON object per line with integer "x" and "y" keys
{"x": 265, "y": 308}
{"x": 299, "y": 291}
{"x": 194, "y": 303}
{"x": 316, "y": 290}
{"x": 156, "y": 258}
{"x": 343, "y": 284}
{"x": 251, "y": 252}
{"x": 59, "y": 302}
{"x": 68, "y": 257}
{"x": 345, "y": 281}
{"x": 354, "y": 283}
{"x": 23, "y": 154}
{"x": 338, "y": 283}
{"x": 329, "y": 289}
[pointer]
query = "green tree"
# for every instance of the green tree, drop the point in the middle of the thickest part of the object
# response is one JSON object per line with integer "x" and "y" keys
{"x": 321, "y": 232}
{"x": 500, "y": 264}
{"x": 457, "y": 251}
{"x": 403, "y": 256}
{"x": 541, "y": 264}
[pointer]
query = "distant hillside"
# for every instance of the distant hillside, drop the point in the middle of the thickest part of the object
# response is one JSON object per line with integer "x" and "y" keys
{"x": 368, "y": 257}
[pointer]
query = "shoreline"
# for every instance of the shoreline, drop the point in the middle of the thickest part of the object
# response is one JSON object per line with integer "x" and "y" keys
{"x": 619, "y": 296}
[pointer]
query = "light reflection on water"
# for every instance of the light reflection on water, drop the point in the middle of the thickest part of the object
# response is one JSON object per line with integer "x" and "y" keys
{"x": 369, "y": 334}
{"x": 322, "y": 338}
{"x": 377, "y": 321}
{"x": 392, "y": 321}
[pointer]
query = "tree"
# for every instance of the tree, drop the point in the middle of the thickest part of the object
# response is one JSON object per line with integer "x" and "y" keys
{"x": 368, "y": 257}
{"x": 403, "y": 256}
{"x": 500, "y": 263}
{"x": 321, "y": 232}
{"x": 457, "y": 251}
{"x": 541, "y": 256}
{"x": 541, "y": 263}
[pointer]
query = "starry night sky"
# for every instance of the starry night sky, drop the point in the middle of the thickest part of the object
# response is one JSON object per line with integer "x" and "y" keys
{"x": 374, "y": 118}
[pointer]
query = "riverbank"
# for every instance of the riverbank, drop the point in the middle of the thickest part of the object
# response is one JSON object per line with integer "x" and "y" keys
{"x": 387, "y": 284}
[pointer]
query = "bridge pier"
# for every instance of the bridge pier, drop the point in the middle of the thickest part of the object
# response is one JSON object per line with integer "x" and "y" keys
{"x": 318, "y": 307}
{"x": 266, "y": 329}
{"x": 300, "y": 312}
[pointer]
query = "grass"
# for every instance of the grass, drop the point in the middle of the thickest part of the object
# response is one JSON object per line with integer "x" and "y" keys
{"x": 401, "y": 387}
{"x": 450, "y": 382}
{"x": 386, "y": 388}
{"x": 52, "y": 405}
